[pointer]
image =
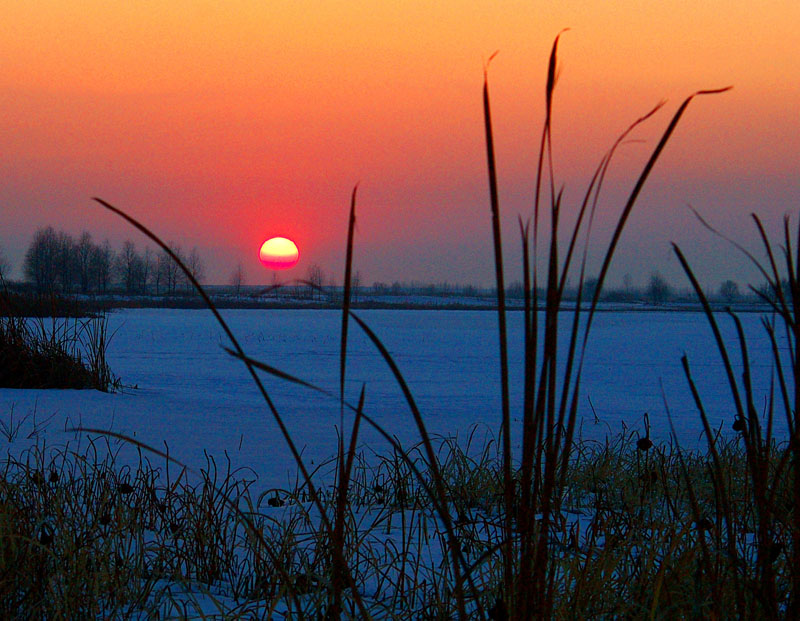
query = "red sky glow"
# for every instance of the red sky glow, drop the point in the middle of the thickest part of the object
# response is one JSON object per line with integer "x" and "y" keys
{"x": 220, "y": 125}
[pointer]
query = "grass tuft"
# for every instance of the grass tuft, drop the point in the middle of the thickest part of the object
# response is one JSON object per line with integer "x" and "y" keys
{"x": 57, "y": 352}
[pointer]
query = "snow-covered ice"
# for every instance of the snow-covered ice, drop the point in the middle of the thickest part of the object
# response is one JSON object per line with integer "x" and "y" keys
{"x": 193, "y": 396}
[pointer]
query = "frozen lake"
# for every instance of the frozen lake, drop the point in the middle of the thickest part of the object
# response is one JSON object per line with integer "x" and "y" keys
{"x": 193, "y": 396}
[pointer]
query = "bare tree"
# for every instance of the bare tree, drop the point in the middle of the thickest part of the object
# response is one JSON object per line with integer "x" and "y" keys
{"x": 145, "y": 270}
{"x": 5, "y": 266}
{"x": 729, "y": 291}
{"x": 658, "y": 290}
{"x": 41, "y": 259}
{"x": 66, "y": 262}
{"x": 160, "y": 272}
{"x": 316, "y": 278}
{"x": 195, "y": 265}
{"x": 102, "y": 262}
{"x": 133, "y": 268}
{"x": 238, "y": 278}
{"x": 84, "y": 250}
{"x": 127, "y": 266}
{"x": 180, "y": 280}
{"x": 171, "y": 273}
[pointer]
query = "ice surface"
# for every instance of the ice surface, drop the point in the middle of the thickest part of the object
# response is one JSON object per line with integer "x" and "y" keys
{"x": 193, "y": 396}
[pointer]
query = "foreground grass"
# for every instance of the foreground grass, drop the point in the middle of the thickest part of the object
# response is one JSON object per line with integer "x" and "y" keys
{"x": 82, "y": 535}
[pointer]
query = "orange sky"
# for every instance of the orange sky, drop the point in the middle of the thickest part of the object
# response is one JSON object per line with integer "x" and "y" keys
{"x": 222, "y": 124}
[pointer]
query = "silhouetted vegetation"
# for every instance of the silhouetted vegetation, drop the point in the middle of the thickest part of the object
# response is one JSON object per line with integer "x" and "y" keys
{"x": 57, "y": 269}
{"x": 5, "y": 266}
{"x": 57, "y": 264}
{"x": 658, "y": 290}
{"x": 88, "y": 536}
{"x": 75, "y": 278}
{"x": 65, "y": 352}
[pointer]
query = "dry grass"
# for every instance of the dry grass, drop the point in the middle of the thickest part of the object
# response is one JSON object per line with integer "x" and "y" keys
{"x": 85, "y": 535}
{"x": 769, "y": 567}
{"x": 55, "y": 353}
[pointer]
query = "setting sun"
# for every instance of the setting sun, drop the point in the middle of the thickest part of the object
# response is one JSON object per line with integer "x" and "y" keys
{"x": 279, "y": 253}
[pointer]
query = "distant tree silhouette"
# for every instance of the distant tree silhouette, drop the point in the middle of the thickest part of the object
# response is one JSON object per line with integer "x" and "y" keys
{"x": 658, "y": 290}
{"x": 180, "y": 279}
{"x": 66, "y": 262}
{"x": 627, "y": 282}
{"x": 83, "y": 251}
{"x": 237, "y": 278}
{"x": 55, "y": 262}
{"x": 170, "y": 272}
{"x": 196, "y": 265}
{"x": 5, "y": 266}
{"x": 355, "y": 285}
{"x": 516, "y": 290}
{"x": 102, "y": 262}
{"x": 316, "y": 278}
{"x": 589, "y": 288}
{"x": 127, "y": 266}
{"x": 160, "y": 272}
{"x": 729, "y": 291}
{"x": 41, "y": 260}
{"x": 145, "y": 270}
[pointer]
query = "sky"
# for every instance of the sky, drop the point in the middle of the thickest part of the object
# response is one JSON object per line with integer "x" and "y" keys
{"x": 220, "y": 125}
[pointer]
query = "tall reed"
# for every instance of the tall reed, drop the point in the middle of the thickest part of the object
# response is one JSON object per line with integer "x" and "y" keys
{"x": 550, "y": 400}
{"x": 772, "y": 471}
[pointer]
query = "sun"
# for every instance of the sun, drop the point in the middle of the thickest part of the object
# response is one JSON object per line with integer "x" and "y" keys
{"x": 279, "y": 253}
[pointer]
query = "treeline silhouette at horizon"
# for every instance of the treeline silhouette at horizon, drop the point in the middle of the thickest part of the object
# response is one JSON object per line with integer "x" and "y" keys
{"x": 57, "y": 263}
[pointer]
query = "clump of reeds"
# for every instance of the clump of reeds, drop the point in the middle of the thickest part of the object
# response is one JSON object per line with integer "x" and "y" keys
{"x": 53, "y": 352}
{"x": 762, "y": 554}
{"x": 20, "y": 301}
{"x": 552, "y": 383}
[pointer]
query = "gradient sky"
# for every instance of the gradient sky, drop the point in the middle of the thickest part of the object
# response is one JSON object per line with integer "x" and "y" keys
{"x": 222, "y": 124}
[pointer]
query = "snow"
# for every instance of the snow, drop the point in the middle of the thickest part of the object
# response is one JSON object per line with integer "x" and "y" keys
{"x": 188, "y": 395}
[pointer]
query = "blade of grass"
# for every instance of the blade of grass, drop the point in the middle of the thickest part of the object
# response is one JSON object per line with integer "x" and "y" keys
{"x": 454, "y": 547}
{"x": 634, "y": 195}
{"x": 335, "y": 609}
{"x": 348, "y": 269}
{"x": 508, "y": 491}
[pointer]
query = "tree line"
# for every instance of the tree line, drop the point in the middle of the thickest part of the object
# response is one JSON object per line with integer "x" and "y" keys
{"x": 656, "y": 291}
{"x": 55, "y": 262}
